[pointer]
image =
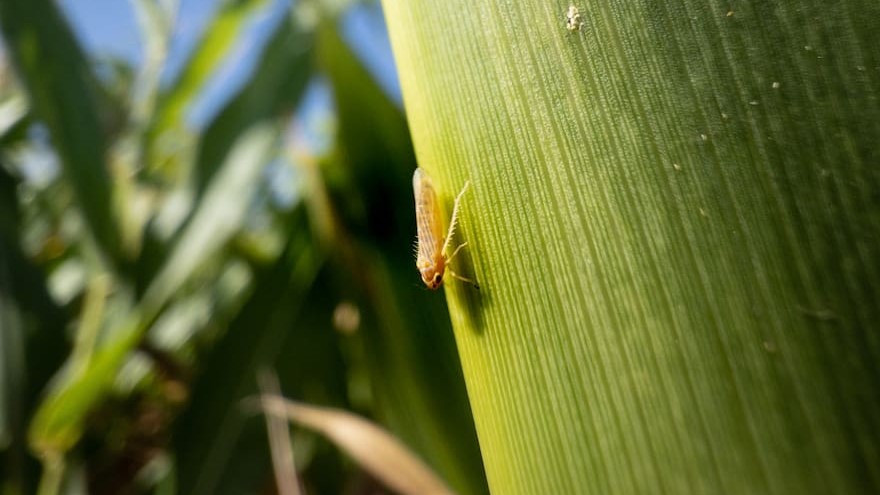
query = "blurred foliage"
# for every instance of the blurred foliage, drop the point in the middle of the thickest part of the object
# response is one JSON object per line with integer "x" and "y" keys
{"x": 150, "y": 267}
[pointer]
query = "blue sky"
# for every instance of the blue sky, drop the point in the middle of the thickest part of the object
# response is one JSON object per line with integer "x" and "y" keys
{"x": 109, "y": 28}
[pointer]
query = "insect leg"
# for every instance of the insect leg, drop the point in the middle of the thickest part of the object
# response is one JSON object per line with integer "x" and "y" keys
{"x": 463, "y": 279}
{"x": 454, "y": 219}
{"x": 463, "y": 244}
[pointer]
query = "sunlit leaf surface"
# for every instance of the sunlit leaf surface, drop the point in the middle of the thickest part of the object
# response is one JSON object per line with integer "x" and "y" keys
{"x": 673, "y": 221}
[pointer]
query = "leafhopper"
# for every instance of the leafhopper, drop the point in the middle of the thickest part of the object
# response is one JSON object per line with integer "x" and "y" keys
{"x": 432, "y": 244}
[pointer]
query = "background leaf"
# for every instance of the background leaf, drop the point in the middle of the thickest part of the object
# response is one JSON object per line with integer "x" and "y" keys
{"x": 368, "y": 444}
{"x": 58, "y": 423}
{"x": 31, "y": 344}
{"x": 66, "y": 98}
{"x": 169, "y": 134}
{"x": 274, "y": 90}
{"x": 217, "y": 216}
{"x": 218, "y": 446}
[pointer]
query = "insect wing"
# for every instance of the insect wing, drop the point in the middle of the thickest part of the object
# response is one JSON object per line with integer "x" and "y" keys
{"x": 429, "y": 223}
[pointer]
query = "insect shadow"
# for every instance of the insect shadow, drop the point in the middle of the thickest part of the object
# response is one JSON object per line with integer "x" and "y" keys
{"x": 472, "y": 298}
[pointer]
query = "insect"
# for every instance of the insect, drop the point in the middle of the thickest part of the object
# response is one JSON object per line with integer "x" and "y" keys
{"x": 573, "y": 19}
{"x": 431, "y": 259}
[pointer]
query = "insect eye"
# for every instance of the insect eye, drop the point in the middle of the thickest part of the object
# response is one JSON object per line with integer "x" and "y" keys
{"x": 437, "y": 278}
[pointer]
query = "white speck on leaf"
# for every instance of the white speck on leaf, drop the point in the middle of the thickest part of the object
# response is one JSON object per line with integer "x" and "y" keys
{"x": 573, "y": 19}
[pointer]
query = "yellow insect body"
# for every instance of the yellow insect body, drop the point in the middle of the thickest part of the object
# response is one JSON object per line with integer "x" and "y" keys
{"x": 431, "y": 259}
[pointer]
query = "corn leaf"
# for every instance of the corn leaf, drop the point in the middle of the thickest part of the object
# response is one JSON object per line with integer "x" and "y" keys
{"x": 374, "y": 449}
{"x": 58, "y": 423}
{"x": 169, "y": 135}
{"x": 31, "y": 344}
{"x": 218, "y": 450}
{"x": 273, "y": 91}
{"x": 673, "y": 220}
{"x": 65, "y": 96}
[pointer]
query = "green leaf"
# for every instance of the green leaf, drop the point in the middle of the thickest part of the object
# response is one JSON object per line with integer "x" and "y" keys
{"x": 58, "y": 423}
{"x": 268, "y": 97}
{"x": 168, "y": 135}
{"x": 273, "y": 91}
{"x": 65, "y": 96}
{"x": 414, "y": 370}
{"x": 673, "y": 218}
{"x": 217, "y": 216}
{"x": 218, "y": 449}
{"x": 31, "y": 344}
{"x": 13, "y": 118}
{"x": 13, "y": 377}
